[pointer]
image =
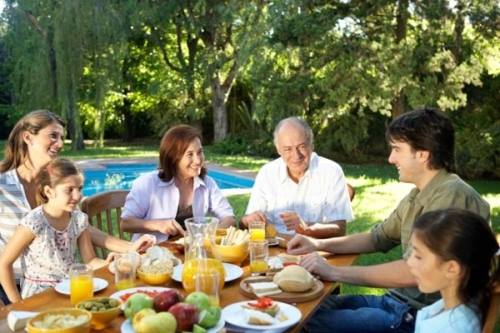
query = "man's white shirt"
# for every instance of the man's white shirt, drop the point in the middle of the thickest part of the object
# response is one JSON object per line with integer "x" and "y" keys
{"x": 320, "y": 196}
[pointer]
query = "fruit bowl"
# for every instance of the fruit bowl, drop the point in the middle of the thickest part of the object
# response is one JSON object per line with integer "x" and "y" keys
{"x": 103, "y": 310}
{"x": 76, "y": 321}
{"x": 234, "y": 254}
{"x": 154, "y": 278}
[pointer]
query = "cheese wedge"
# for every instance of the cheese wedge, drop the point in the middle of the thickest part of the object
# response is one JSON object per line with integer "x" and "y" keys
{"x": 265, "y": 288}
{"x": 17, "y": 320}
{"x": 258, "y": 318}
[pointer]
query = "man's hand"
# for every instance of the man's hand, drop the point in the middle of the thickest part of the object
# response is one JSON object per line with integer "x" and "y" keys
{"x": 169, "y": 227}
{"x": 317, "y": 265}
{"x": 143, "y": 243}
{"x": 255, "y": 216}
{"x": 301, "y": 244}
{"x": 292, "y": 220}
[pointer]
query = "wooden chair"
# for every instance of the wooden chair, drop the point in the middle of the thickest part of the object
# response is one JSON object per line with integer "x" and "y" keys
{"x": 493, "y": 312}
{"x": 352, "y": 192}
{"x": 104, "y": 211}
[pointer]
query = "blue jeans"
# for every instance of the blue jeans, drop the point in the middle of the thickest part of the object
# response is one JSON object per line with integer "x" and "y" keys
{"x": 358, "y": 313}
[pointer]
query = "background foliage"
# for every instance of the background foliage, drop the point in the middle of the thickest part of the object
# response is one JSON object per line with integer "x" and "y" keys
{"x": 129, "y": 69}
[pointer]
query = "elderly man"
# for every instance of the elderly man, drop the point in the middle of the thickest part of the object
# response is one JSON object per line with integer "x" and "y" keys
{"x": 300, "y": 191}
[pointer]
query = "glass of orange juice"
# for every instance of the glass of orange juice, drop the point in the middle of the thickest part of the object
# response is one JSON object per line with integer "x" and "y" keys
{"x": 80, "y": 283}
{"x": 259, "y": 253}
{"x": 208, "y": 282}
{"x": 125, "y": 270}
{"x": 257, "y": 230}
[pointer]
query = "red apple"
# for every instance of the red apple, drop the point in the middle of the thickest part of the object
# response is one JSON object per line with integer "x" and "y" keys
{"x": 185, "y": 314}
{"x": 164, "y": 300}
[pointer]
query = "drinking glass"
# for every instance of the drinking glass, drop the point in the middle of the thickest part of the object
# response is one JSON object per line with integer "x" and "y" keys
{"x": 125, "y": 270}
{"x": 259, "y": 253}
{"x": 257, "y": 230}
{"x": 80, "y": 283}
{"x": 208, "y": 282}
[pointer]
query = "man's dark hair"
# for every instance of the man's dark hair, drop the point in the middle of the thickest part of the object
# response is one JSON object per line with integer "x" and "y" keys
{"x": 426, "y": 129}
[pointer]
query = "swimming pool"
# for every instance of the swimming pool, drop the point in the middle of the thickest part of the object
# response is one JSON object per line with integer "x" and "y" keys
{"x": 115, "y": 176}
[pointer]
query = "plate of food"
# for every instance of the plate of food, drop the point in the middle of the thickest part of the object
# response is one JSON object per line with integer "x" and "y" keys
{"x": 264, "y": 314}
{"x": 233, "y": 272}
{"x": 63, "y": 287}
{"x": 123, "y": 295}
{"x": 293, "y": 284}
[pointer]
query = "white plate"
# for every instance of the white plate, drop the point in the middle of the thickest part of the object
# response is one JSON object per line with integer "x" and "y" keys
{"x": 127, "y": 327}
{"x": 63, "y": 286}
{"x": 232, "y": 272}
{"x": 120, "y": 293}
{"x": 235, "y": 315}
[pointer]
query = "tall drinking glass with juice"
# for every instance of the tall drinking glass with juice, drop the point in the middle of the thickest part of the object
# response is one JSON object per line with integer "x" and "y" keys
{"x": 80, "y": 283}
{"x": 257, "y": 230}
{"x": 259, "y": 252}
{"x": 125, "y": 270}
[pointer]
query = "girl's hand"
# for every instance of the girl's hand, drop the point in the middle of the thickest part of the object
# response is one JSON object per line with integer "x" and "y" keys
{"x": 143, "y": 243}
{"x": 111, "y": 257}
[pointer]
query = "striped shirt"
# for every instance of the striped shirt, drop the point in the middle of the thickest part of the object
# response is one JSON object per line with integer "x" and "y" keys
{"x": 13, "y": 207}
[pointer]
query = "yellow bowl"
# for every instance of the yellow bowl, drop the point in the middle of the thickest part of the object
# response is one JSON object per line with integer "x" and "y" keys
{"x": 234, "y": 254}
{"x": 154, "y": 278}
{"x": 83, "y": 327}
{"x": 101, "y": 319}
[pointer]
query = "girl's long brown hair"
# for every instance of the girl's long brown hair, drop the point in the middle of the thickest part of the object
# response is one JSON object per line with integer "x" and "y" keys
{"x": 457, "y": 234}
{"x": 16, "y": 150}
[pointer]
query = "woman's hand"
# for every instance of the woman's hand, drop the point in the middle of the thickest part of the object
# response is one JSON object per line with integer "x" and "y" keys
{"x": 169, "y": 227}
{"x": 143, "y": 243}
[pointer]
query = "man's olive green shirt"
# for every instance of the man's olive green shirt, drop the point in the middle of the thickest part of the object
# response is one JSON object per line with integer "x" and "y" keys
{"x": 445, "y": 190}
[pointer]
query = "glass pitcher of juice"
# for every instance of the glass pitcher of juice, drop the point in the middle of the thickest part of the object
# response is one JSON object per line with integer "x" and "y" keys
{"x": 200, "y": 257}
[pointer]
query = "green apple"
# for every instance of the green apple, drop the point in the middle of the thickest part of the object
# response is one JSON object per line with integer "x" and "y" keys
{"x": 198, "y": 329}
{"x": 140, "y": 315}
{"x": 162, "y": 322}
{"x": 198, "y": 299}
{"x": 210, "y": 317}
{"x": 136, "y": 303}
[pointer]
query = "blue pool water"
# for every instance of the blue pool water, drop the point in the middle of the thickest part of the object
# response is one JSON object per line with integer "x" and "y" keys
{"x": 121, "y": 176}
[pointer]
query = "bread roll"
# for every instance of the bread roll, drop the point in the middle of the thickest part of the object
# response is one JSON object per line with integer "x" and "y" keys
{"x": 294, "y": 279}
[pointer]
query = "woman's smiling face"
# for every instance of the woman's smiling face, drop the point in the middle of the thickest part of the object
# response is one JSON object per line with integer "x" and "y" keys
{"x": 192, "y": 160}
{"x": 46, "y": 144}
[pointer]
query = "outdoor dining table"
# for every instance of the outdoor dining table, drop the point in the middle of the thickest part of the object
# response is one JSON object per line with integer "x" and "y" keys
{"x": 50, "y": 298}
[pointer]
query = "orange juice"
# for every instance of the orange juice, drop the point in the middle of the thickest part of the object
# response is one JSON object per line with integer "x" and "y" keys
{"x": 258, "y": 266}
{"x": 81, "y": 288}
{"x": 199, "y": 266}
{"x": 125, "y": 284}
{"x": 257, "y": 234}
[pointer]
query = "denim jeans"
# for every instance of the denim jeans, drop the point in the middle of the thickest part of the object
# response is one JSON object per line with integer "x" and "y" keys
{"x": 362, "y": 314}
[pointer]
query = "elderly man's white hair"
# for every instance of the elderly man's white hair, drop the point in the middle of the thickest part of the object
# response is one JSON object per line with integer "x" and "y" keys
{"x": 298, "y": 122}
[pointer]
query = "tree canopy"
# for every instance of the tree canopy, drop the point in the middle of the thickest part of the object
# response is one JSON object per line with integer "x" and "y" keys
{"x": 133, "y": 68}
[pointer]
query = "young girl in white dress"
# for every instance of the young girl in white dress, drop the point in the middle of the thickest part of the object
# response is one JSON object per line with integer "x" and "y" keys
{"x": 49, "y": 236}
{"x": 454, "y": 252}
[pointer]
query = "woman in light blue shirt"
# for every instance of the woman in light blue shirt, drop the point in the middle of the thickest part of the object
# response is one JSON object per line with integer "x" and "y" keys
{"x": 453, "y": 252}
{"x": 160, "y": 201}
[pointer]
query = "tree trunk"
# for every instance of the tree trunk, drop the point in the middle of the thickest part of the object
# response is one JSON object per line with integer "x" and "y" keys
{"x": 73, "y": 118}
{"x": 398, "y": 103}
{"x": 219, "y": 96}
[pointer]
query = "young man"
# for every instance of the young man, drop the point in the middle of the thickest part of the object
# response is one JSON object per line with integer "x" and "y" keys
{"x": 422, "y": 149}
{"x": 300, "y": 191}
